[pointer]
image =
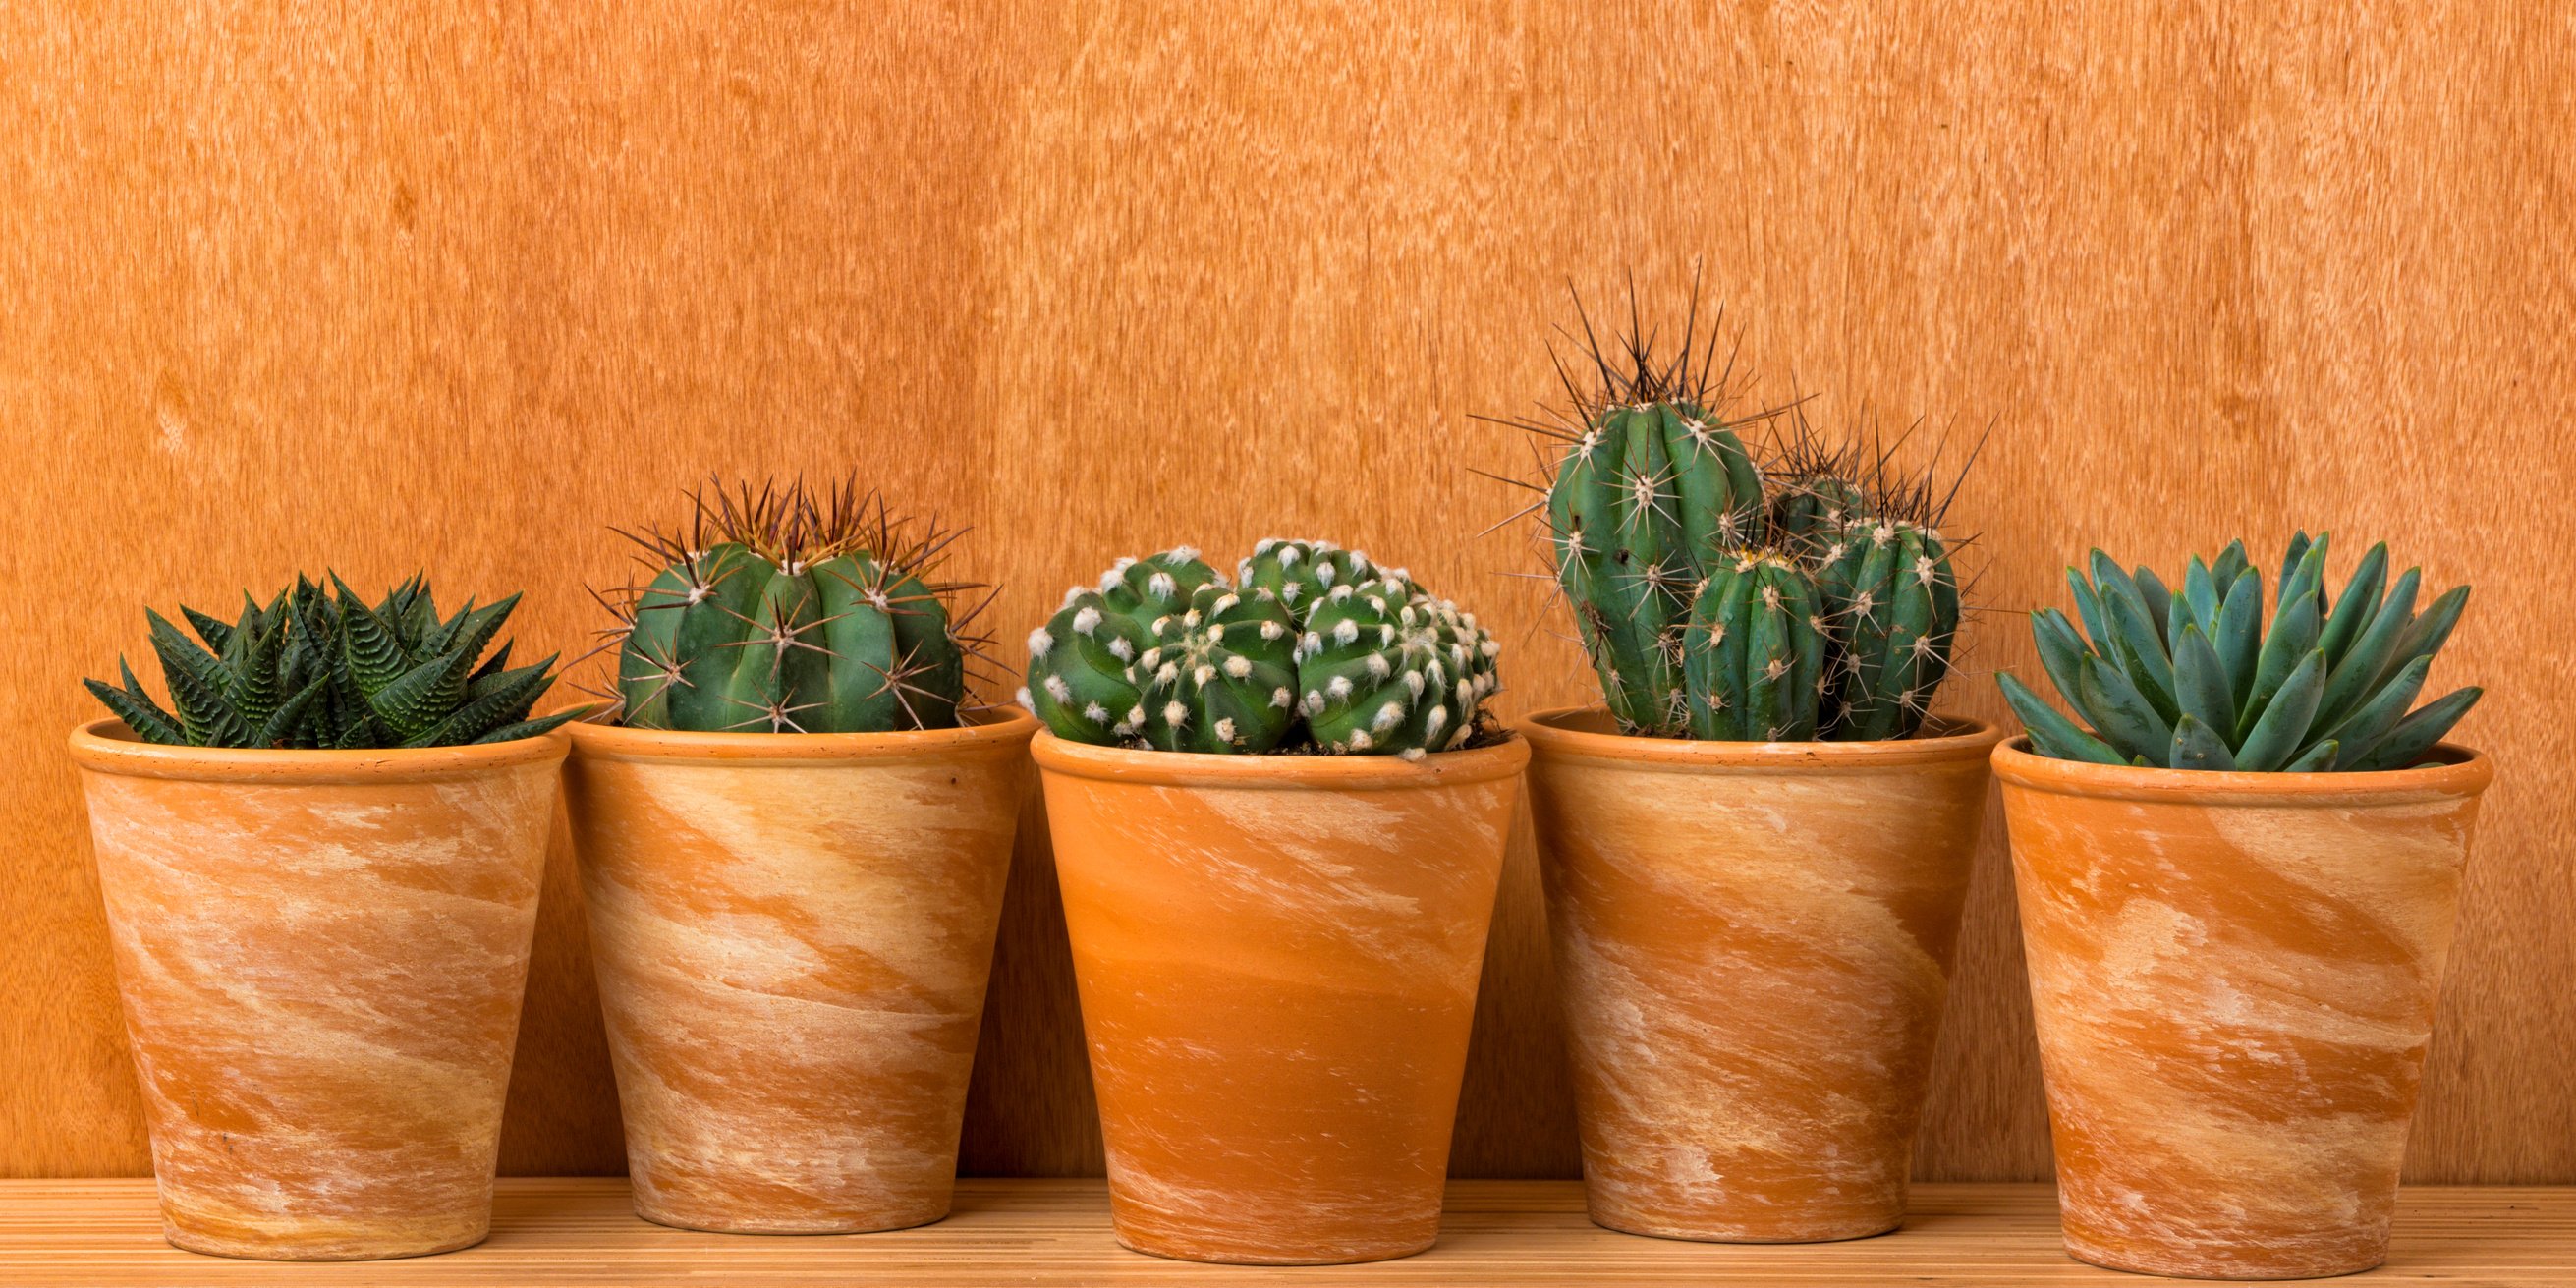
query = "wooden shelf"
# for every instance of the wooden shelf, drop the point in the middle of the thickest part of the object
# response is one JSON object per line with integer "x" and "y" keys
{"x": 1025, "y": 1232}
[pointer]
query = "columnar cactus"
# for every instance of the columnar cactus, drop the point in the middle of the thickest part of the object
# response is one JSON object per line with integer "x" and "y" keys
{"x": 1646, "y": 501}
{"x": 1653, "y": 504}
{"x": 1754, "y": 655}
{"x": 1893, "y": 604}
{"x": 2192, "y": 679}
{"x": 788, "y": 612}
{"x": 1309, "y": 650}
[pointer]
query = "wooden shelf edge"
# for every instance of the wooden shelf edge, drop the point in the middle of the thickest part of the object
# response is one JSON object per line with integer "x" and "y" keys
{"x": 1056, "y": 1232}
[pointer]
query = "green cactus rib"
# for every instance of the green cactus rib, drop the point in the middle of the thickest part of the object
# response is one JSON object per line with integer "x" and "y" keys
{"x": 1754, "y": 654}
{"x": 1383, "y": 670}
{"x": 2191, "y": 678}
{"x": 1078, "y": 670}
{"x": 1892, "y": 604}
{"x": 1218, "y": 681}
{"x": 317, "y": 668}
{"x": 789, "y": 612}
{"x": 1643, "y": 505}
{"x": 1168, "y": 656}
{"x": 1300, "y": 573}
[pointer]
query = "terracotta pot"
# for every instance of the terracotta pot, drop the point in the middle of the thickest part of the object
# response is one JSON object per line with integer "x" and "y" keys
{"x": 792, "y": 934}
{"x": 321, "y": 956}
{"x": 2234, "y": 978}
{"x": 1277, "y": 957}
{"x": 1752, "y": 942}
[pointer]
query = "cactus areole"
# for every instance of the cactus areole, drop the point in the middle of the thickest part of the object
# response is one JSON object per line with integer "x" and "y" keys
{"x": 1309, "y": 648}
{"x": 791, "y": 611}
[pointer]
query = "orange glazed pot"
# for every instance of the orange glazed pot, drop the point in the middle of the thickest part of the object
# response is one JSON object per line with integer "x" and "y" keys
{"x": 792, "y": 934}
{"x": 2234, "y": 978}
{"x": 321, "y": 956}
{"x": 1277, "y": 957}
{"x": 1753, "y": 942}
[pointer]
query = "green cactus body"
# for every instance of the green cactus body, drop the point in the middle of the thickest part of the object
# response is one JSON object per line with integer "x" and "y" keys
{"x": 1809, "y": 512}
{"x": 1385, "y": 671}
{"x": 1079, "y": 681}
{"x": 1253, "y": 623}
{"x": 1891, "y": 604}
{"x": 732, "y": 640}
{"x": 2193, "y": 678}
{"x": 1199, "y": 695}
{"x": 1300, "y": 573}
{"x": 1642, "y": 506}
{"x": 1755, "y": 651}
{"x": 1147, "y": 590}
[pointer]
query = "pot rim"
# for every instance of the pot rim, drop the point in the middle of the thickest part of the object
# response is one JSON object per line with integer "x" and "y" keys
{"x": 993, "y": 729}
{"x": 2467, "y": 772}
{"x": 1316, "y": 773}
{"x": 106, "y": 746}
{"x": 1962, "y": 739}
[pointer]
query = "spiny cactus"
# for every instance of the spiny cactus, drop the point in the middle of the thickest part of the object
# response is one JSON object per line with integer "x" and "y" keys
{"x": 1651, "y": 502}
{"x": 1381, "y": 669}
{"x": 1221, "y": 679}
{"x": 1653, "y": 490}
{"x": 789, "y": 611}
{"x": 2192, "y": 679}
{"x": 1299, "y": 573}
{"x": 1298, "y": 655}
{"x": 1893, "y": 600}
{"x": 322, "y": 669}
{"x": 1755, "y": 651}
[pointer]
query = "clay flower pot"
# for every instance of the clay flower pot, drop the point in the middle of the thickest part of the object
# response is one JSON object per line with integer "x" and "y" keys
{"x": 1277, "y": 957}
{"x": 321, "y": 956}
{"x": 2234, "y": 978}
{"x": 1752, "y": 942}
{"x": 792, "y": 934}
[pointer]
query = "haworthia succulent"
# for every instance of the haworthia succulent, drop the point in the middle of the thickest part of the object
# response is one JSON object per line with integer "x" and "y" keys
{"x": 324, "y": 669}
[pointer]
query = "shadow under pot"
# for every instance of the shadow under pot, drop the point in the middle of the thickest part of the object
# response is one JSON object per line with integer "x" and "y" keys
{"x": 321, "y": 957}
{"x": 792, "y": 934}
{"x": 1752, "y": 944}
{"x": 1277, "y": 958}
{"x": 2234, "y": 977}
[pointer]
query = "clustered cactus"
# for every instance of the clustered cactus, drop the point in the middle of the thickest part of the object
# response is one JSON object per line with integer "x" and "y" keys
{"x": 1718, "y": 600}
{"x": 318, "y": 668}
{"x": 790, "y": 611}
{"x": 2194, "y": 679}
{"x": 1308, "y": 645}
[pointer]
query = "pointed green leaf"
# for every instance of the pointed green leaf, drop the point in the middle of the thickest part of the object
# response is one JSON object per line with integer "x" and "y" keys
{"x": 2052, "y": 734}
{"x": 2415, "y": 735}
{"x": 2358, "y": 604}
{"x": 2314, "y": 760}
{"x": 2283, "y": 728}
{"x": 2122, "y": 716}
{"x": 2196, "y": 746}
{"x": 2201, "y": 686}
{"x": 2363, "y": 668}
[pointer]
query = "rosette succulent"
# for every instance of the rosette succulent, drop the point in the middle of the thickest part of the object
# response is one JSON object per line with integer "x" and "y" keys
{"x": 316, "y": 668}
{"x": 2194, "y": 678}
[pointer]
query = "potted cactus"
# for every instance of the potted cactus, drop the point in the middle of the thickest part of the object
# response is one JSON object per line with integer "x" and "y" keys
{"x": 320, "y": 866}
{"x": 793, "y": 830}
{"x": 2237, "y": 879}
{"x": 1757, "y": 848}
{"x": 1278, "y": 811}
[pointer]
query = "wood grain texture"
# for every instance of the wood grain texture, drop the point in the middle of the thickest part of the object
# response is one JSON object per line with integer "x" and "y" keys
{"x": 457, "y": 284}
{"x": 104, "y": 1234}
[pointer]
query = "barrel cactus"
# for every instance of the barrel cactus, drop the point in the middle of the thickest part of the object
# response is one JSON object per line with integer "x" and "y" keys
{"x": 791, "y": 611}
{"x": 323, "y": 669}
{"x": 1312, "y": 648}
{"x": 2192, "y": 678}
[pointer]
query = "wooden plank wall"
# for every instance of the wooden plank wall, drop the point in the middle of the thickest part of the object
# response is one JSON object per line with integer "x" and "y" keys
{"x": 456, "y": 284}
